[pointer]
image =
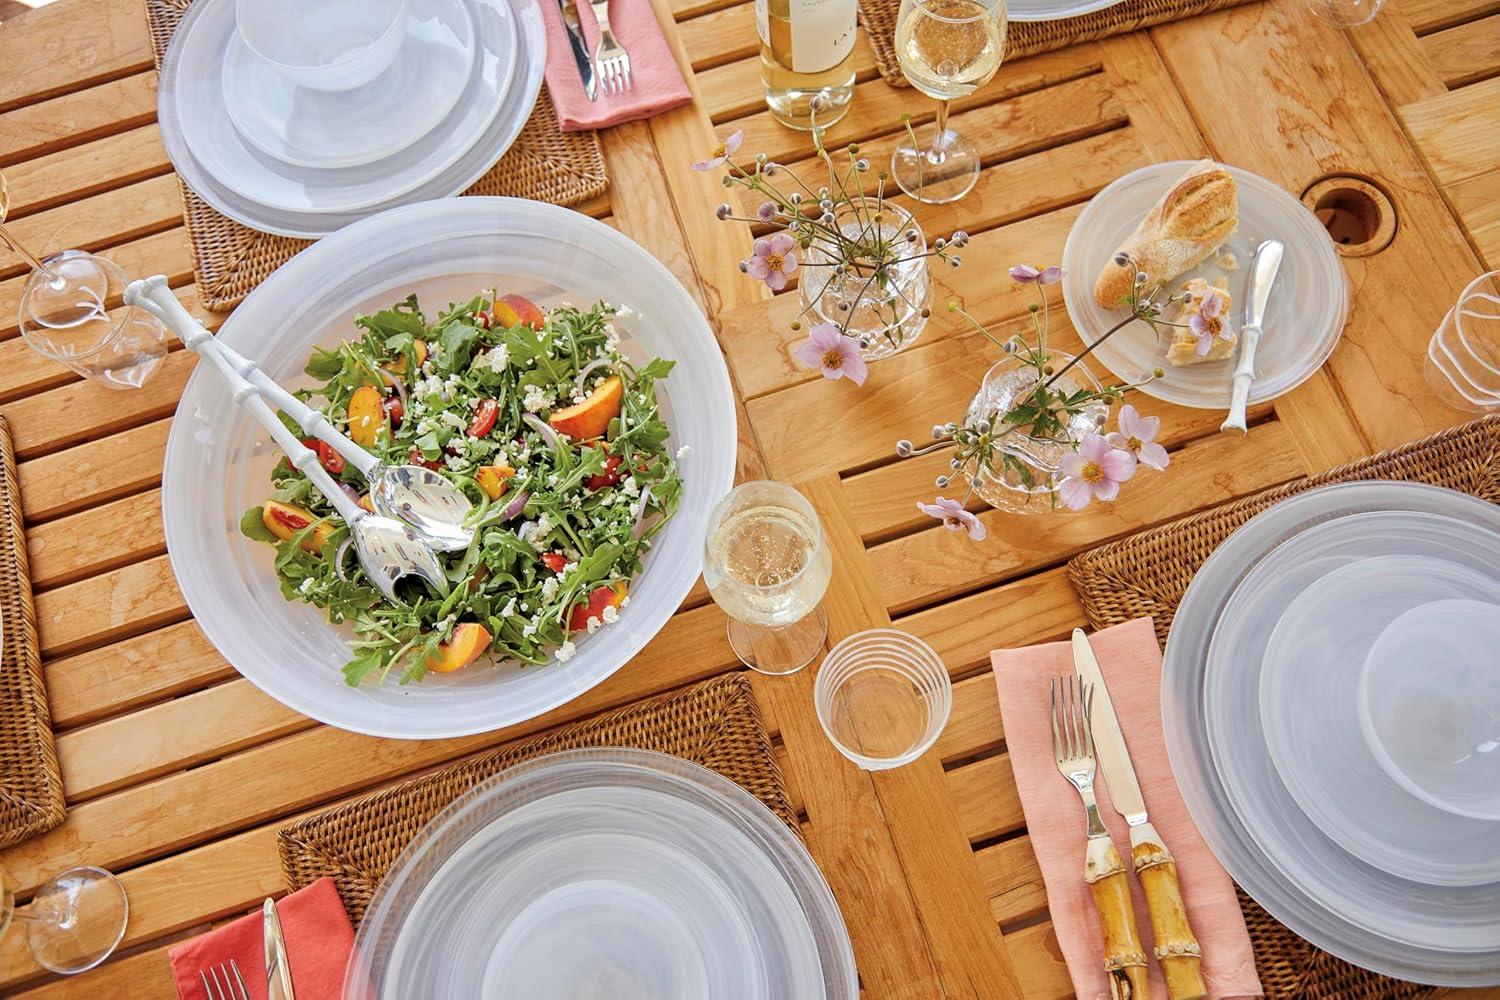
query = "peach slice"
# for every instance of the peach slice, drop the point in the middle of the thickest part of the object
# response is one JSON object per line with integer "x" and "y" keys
{"x": 419, "y": 348}
{"x": 516, "y": 310}
{"x": 284, "y": 520}
{"x": 590, "y": 418}
{"x": 469, "y": 640}
{"x": 494, "y": 479}
{"x": 366, "y": 415}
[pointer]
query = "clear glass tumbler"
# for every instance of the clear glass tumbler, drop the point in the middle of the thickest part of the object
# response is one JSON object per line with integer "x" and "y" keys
{"x": 767, "y": 566}
{"x": 1345, "y": 13}
{"x": 1463, "y": 357}
{"x": 66, "y": 316}
{"x": 883, "y": 696}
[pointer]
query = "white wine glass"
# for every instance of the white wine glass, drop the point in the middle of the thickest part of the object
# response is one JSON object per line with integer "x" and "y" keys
{"x": 947, "y": 49}
{"x": 767, "y": 566}
{"x": 73, "y": 922}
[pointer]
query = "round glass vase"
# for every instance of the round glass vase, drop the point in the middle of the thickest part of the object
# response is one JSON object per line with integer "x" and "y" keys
{"x": 877, "y": 294}
{"x": 1023, "y": 476}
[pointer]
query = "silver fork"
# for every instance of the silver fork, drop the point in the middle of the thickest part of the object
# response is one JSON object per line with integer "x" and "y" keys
{"x": 224, "y": 982}
{"x": 1103, "y": 869}
{"x": 611, "y": 61}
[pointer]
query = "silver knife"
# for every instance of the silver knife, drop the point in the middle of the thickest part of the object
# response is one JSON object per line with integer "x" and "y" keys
{"x": 580, "y": 50}
{"x": 1263, "y": 268}
{"x": 1176, "y": 948}
{"x": 278, "y": 973}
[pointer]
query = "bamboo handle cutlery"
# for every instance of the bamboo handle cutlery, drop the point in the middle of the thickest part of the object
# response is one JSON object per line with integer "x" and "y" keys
{"x": 1085, "y": 729}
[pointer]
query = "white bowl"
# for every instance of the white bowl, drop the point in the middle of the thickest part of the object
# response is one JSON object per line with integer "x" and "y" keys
{"x": 217, "y": 462}
{"x": 324, "y": 44}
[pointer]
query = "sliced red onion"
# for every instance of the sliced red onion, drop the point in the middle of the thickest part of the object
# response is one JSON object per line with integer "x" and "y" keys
{"x": 590, "y": 367}
{"x": 399, "y": 385}
{"x": 640, "y": 517}
{"x": 338, "y": 557}
{"x": 539, "y": 425}
{"x": 514, "y": 508}
{"x": 351, "y": 492}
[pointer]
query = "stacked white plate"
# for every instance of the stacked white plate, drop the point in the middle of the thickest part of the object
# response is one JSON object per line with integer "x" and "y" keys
{"x": 604, "y": 873}
{"x": 287, "y": 159}
{"x": 1331, "y": 701}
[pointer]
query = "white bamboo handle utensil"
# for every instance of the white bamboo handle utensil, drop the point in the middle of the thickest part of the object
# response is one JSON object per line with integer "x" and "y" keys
{"x": 1263, "y": 268}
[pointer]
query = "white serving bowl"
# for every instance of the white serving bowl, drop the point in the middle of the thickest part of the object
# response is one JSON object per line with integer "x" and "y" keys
{"x": 218, "y": 462}
{"x": 324, "y": 44}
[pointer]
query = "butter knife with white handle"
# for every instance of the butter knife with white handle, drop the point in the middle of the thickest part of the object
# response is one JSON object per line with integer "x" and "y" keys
{"x": 1263, "y": 268}
{"x": 278, "y": 973}
{"x": 1176, "y": 948}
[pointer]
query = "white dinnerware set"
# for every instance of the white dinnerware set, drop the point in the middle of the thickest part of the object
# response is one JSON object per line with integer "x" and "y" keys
{"x": 298, "y": 119}
{"x": 1331, "y": 700}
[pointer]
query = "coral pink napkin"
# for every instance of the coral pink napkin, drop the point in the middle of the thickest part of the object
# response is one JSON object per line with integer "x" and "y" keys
{"x": 658, "y": 83}
{"x": 1131, "y": 662}
{"x": 318, "y": 936}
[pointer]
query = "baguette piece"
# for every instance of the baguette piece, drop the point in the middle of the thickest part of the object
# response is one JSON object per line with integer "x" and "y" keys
{"x": 1183, "y": 350}
{"x": 1190, "y": 222}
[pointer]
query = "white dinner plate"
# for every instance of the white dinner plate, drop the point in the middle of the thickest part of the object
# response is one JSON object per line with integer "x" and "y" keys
{"x": 612, "y": 872}
{"x": 347, "y": 128}
{"x": 1333, "y": 898}
{"x": 1053, "y": 10}
{"x": 1304, "y": 319}
{"x": 218, "y": 460}
{"x": 511, "y": 38}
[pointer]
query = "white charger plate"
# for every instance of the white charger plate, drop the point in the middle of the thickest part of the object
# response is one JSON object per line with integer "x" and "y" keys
{"x": 218, "y": 461}
{"x": 508, "y": 74}
{"x": 1309, "y": 698}
{"x": 1316, "y": 908}
{"x": 1304, "y": 319}
{"x": 1053, "y": 10}
{"x": 323, "y": 130}
{"x": 606, "y": 872}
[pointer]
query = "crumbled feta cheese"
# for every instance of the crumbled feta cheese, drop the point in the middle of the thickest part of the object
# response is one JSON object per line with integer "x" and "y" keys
{"x": 629, "y": 487}
{"x": 509, "y": 609}
{"x": 593, "y": 625}
{"x": 552, "y": 480}
{"x": 683, "y": 451}
{"x": 453, "y": 419}
{"x": 456, "y": 462}
{"x": 536, "y": 399}
{"x": 611, "y": 614}
{"x": 569, "y": 566}
{"x": 307, "y": 585}
{"x": 624, "y": 312}
{"x": 549, "y": 588}
{"x": 426, "y": 426}
{"x": 565, "y": 652}
{"x": 498, "y": 358}
{"x": 528, "y": 630}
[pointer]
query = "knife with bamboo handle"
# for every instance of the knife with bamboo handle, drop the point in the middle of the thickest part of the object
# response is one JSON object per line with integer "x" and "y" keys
{"x": 1176, "y": 948}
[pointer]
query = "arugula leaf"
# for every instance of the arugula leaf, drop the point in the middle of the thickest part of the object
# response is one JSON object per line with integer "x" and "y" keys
{"x": 254, "y": 527}
{"x": 325, "y": 365}
{"x": 457, "y": 340}
{"x": 403, "y": 317}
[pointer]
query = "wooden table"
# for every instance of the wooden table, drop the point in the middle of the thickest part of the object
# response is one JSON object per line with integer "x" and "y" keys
{"x": 178, "y": 772}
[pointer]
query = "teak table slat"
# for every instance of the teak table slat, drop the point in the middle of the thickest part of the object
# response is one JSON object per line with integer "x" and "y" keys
{"x": 177, "y": 771}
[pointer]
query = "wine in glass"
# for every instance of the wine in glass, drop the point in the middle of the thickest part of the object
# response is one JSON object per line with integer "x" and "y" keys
{"x": 947, "y": 49}
{"x": 767, "y": 566}
{"x": 73, "y": 922}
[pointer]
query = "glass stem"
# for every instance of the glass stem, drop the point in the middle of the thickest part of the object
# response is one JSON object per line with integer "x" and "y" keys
{"x": 936, "y": 154}
{"x": 17, "y": 247}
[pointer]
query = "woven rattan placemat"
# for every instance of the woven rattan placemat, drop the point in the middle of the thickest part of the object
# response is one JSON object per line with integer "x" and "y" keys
{"x": 1027, "y": 38}
{"x": 715, "y": 723}
{"x": 31, "y": 791}
{"x": 229, "y": 259}
{"x": 1147, "y": 574}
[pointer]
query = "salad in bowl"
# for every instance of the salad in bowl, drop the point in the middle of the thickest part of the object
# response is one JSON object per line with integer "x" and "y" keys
{"x": 536, "y": 416}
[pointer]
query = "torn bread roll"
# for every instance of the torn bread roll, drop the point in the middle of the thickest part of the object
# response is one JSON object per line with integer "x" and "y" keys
{"x": 1190, "y": 222}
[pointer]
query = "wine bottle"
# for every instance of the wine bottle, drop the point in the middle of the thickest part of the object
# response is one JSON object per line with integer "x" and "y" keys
{"x": 807, "y": 53}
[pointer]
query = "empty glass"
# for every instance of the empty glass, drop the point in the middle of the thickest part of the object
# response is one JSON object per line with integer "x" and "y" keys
{"x": 767, "y": 566}
{"x": 1345, "y": 13}
{"x": 883, "y": 696}
{"x": 73, "y": 922}
{"x": 66, "y": 316}
{"x": 1463, "y": 357}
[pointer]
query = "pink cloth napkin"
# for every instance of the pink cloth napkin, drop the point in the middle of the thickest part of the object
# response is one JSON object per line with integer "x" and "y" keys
{"x": 658, "y": 83}
{"x": 318, "y": 936}
{"x": 1131, "y": 662}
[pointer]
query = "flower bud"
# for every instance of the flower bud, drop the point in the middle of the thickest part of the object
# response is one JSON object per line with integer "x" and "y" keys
{"x": 853, "y": 149}
{"x": 939, "y": 243}
{"x": 983, "y": 426}
{"x": 903, "y": 448}
{"x": 760, "y": 159}
{"x": 955, "y": 463}
{"x": 862, "y": 164}
{"x": 1157, "y": 373}
{"x": 955, "y": 261}
{"x": 795, "y": 197}
{"x": 925, "y": 312}
{"x": 722, "y": 212}
{"x": 1140, "y": 277}
{"x": 942, "y": 481}
{"x": 938, "y": 430}
{"x": 796, "y": 324}
{"x": 1122, "y": 259}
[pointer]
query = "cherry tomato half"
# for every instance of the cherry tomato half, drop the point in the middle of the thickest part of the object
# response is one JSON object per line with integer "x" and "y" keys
{"x": 484, "y": 418}
{"x": 555, "y": 561}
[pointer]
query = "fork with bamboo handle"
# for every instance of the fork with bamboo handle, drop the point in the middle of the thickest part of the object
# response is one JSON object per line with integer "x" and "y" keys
{"x": 1103, "y": 870}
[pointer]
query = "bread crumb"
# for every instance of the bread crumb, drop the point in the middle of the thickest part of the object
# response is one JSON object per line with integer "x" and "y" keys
{"x": 1228, "y": 262}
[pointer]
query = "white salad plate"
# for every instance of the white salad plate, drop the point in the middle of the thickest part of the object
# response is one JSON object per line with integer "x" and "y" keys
{"x": 1216, "y": 741}
{"x": 347, "y": 128}
{"x": 1053, "y": 10}
{"x": 607, "y": 872}
{"x": 265, "y": 194}
{"x": 218, "y": 461}
{"x": 1310, "y": 703}
{"x": 1304, "y": 319}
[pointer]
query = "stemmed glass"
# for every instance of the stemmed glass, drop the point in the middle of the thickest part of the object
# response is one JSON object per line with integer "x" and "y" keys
{"x": 74, "y": 921}
{"x": 767, "y": 566}
{"x": 947, "y": 49}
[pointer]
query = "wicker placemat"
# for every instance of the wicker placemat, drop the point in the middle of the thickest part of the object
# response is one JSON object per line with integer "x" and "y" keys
{"x": 31, "y": 791}
{"x": 715, "y": 723}
{"x": 1147, "y": 574}
{"x": 1027, "y": 38}
{"x": 229, "y": 259}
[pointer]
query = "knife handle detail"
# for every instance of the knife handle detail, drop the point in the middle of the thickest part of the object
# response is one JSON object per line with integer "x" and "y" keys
{"x": 1244, "y": 374}
{"x": 1124, "y": 956}
{"x": 1176, "y": 948}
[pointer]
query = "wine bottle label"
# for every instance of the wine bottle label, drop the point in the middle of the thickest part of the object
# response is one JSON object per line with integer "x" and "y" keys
{"x": 822, "y": 33}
